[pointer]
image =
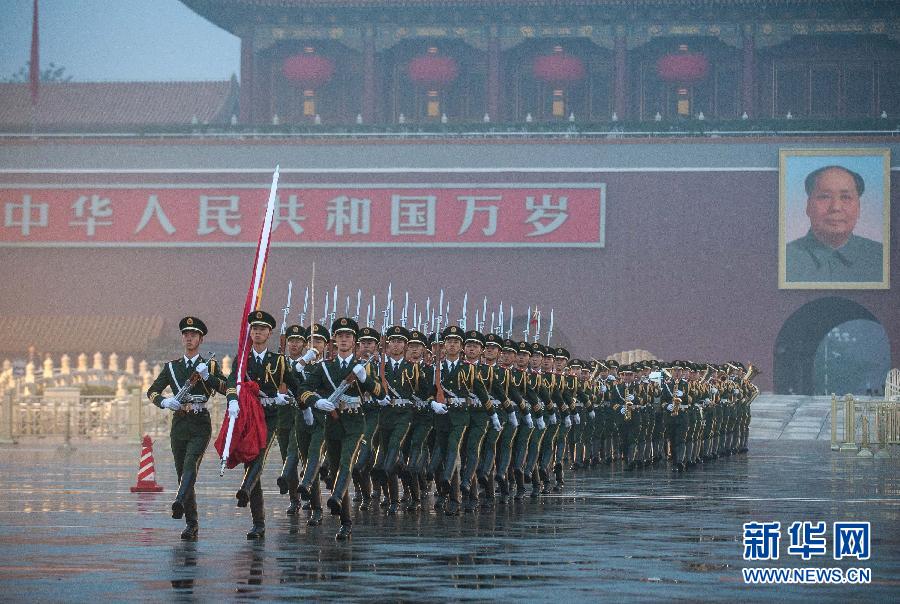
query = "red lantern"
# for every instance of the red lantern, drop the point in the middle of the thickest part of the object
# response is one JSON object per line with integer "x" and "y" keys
{"x": 558, "y": 68}
{"x": 433, "y": 70}
{"x": 683, "y": 67}
{"x": 308, "y": 70}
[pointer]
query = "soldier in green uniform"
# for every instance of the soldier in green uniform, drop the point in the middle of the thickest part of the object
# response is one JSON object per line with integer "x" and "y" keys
{"x": 505, "y": 399}
{"x": 270, "y": 371}
{"x": 404, "y": 382}
{"x": 525, "y": 381}
{"x": 309, "y": 430}
{"x": 563, "y": 394}
{"x": 482, "y": 417}
{"x": 552, "y": 418}
{"x": 367, "y": 350}
{"x": 459, "y": 382}
{"x": 345, "y": 424}
{"x": 420, "y": 426}
{"x": 519, "y": 418}
{"x": 191, "y": 425}
{"x": 288, "y": 418}
{"x": 541, "y": 381}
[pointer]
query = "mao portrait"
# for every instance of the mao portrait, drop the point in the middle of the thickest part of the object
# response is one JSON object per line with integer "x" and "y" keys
{"x": 834, "y": 213}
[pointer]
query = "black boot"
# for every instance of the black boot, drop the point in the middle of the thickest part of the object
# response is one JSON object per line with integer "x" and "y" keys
{"x": 184, "y": 487}
{"x": 257, "y": 532}
{"x": 337, "y": 492}
{"x": 190, "y": 532}
{"x": 315, "y": 518}
{"x": 520, "y": 485}
{"x": 345, "y": 533}
{"x": 288, "y": 473}
{"x": 251, "y": 477}
{"x": 294, "y": 508}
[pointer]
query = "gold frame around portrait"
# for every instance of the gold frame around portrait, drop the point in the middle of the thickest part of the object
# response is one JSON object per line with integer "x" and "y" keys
{"x": 784, "y": 156}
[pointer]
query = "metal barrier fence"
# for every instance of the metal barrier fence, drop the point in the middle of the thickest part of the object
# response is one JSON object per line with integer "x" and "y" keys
{"x": 64, "y": 412}
{"x": 864, "y": 426}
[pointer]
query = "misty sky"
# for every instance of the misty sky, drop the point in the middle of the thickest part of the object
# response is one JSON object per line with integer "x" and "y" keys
{"x": 118, "y": 40}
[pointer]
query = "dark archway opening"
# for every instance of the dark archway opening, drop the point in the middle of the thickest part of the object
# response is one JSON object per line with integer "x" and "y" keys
{"x": 800, "y": 338}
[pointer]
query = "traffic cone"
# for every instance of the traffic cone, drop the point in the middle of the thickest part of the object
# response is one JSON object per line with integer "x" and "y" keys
{"x": 146, "y": 480}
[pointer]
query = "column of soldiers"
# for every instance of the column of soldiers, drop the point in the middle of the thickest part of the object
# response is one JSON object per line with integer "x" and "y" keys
{"x": 472, "y": 418}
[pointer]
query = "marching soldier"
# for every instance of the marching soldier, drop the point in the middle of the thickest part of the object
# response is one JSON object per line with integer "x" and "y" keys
{"x": 461, "y": 385}
{"x": 336, "y": 387}
{"x": 270, "y": 371}
{"x": 288, "y": 418}
{"x": 310, "y": 432}
{"x": 505, "y": 400}
{"x": 404, "y": 382}
{"x": 519, "y": 417}
{"x": 367, "y": 350}
{"x": 526, "y": 381}
{"x": 191, "y": 424}
{"x": 421, "y": 422}
{"x": 482, "y": 417}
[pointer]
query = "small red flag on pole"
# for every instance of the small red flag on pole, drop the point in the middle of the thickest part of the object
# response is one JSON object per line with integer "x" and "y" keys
{"x": 34, "y": 68}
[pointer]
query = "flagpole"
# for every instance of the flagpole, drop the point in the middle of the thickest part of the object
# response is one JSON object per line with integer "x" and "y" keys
{"x": 254, "y": 295}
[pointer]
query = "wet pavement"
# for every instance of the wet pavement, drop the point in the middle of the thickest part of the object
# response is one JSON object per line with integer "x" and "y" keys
{"x": 70, "y": 529}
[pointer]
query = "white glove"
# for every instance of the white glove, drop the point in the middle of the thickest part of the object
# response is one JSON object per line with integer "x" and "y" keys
{"x": 359, "y": 370}
{"x": 310, "y": 355}
{"x": 603, "y": 389}
{"x": 438, "y": 408}
{"x": 170, "y": 403}
{"x": 496, "y": 422}
{"x": 610, "y": 378}
{"x": 528, "y": 421}
{"x": 553, "y": 420}
{"x": 577, "y": 419}
{"x": 323, "y": 404}
{"x": 567, "y": 422}
{"x": 233, "y": 409}
{"x": 540, "y": 424}
{"x": 629, "y": 398}
{"x": 679, "y": 393}
{"x": 308, "y": 416}
{"x": 592, "y": 414}
{"x": 670, "y": 406}
{"x": 203, "y": 370}
{"x": 622, "y": 410}
{"x": 736, "y": 391}
{"x": 645, "y": 380}
{"x": 384, "y": 402}
{"x": 713, "y": 390}
{"x": 513, "y": 420}
{"x": 281, "y": 399}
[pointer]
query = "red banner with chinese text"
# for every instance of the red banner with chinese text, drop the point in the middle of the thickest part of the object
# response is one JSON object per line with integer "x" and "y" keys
{"x": 355, "y": 215}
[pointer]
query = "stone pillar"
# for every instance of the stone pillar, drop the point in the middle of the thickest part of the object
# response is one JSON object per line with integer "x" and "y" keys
{"x": 98, "y": 361}
{"x": 748, "y": 81}
{"x": 121, "y": 392}
{"x": 246, "y": 94}
{"x": 142, "y": 368}
{"x": 369, "y": 104}
{"x": 493, "y": 75}
{"x": 129, "y": 365}
{"x": 262, "y": 91}
{"x": 620, "y": 81}
{"x": 65, "y": 367}
{"x": 82, "y": 363}
{"x": 47, "y": 373}
{"x": 113, "y": 362}
{"x": 29, "y": 373}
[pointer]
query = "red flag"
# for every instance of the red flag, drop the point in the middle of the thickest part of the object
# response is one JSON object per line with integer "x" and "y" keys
{"x": 248, "y": 434}
{"x": 34, "y": 68}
